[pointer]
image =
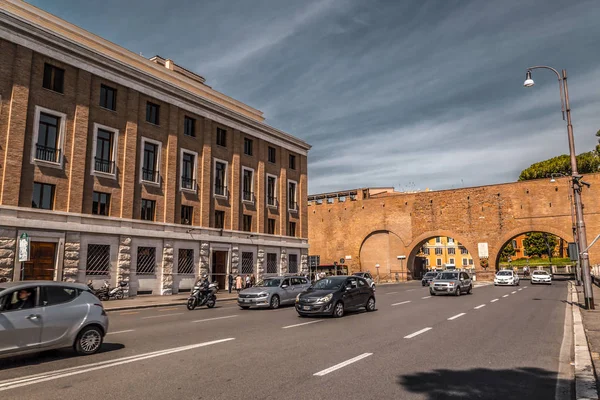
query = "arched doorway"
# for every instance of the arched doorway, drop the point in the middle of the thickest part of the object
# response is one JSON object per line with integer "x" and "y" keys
{"x": 439, "y": 252}
{"x": 381, "y": 254}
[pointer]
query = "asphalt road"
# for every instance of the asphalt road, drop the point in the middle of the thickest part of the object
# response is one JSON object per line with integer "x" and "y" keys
{"x": 413, "y": 347}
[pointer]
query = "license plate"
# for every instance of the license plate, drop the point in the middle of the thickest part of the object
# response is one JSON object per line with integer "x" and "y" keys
{"x": 306, "y": 308}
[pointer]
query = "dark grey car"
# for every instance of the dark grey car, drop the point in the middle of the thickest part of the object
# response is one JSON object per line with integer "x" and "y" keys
{"x": 273, "y": 292}
{"x": 451, "y": 282}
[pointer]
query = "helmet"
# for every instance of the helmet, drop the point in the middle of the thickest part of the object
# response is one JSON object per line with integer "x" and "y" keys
{"x": 204, "y": 276}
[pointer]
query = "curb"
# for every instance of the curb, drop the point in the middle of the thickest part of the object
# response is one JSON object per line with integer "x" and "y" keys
{"x": 174, "y": 303}
{"x": 585, "y": 379}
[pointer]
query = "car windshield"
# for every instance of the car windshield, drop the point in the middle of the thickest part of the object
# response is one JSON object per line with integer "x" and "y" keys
{"x": 504, "y": 273}
{"x": 540, "y": 273}
{"x": 328, "y": 283}
{"x": 359, "y": 274}
{"x": 430, "y": 274}
{"x": 448, "y": 275}
{"x": 269, "y": 283}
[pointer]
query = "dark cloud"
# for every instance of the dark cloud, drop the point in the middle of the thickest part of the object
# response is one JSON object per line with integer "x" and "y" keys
{"x": 412, "y": 94}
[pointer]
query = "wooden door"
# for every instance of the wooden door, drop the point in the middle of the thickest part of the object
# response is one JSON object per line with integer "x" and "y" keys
{"x": 41, "y": 262}
{"x": 219, "y": 270}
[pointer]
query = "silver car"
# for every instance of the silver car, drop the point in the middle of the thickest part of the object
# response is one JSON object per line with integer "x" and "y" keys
{"x": 273, "y": 292}
{"x": 42, "y": 315}
{"x": 451, "y": 282}
{"x": 366, "y": 276}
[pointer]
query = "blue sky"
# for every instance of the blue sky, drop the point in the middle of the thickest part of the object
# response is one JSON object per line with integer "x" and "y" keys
{"x": 411, "y": 94}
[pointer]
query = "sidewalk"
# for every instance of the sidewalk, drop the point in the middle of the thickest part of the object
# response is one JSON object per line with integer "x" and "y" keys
{"x": 147, "y": 301}
{"x": 591, "y": 326}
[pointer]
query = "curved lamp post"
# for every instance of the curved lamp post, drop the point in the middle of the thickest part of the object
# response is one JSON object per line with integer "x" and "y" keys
{"x": 580, "y": 237}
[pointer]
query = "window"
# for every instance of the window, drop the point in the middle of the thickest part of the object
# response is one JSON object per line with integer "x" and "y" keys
{"x": 43, "y": 196}
{"x": 187, "y": 214}
{"x": 271, "y": 226}
{"x": 427, "y": 262}
{"x": 247, "y": 184}
{"x": 464, "y": 262}
{"x": 247, "y": 146}
{"x": 426, "y": 251}
{"x": 148, "y": 207}
{"x": 221, "y": 137}
{"x": 438, "y": 262}
{"x": 451, "y": 261}
{"x": 514, "y": 244}
{"x": 293, "y": 263}
{"x": 104, "y": 149}
{"x": 271, "y": 263}
{"x": 247, "y": 223}
{"x": 185, "y": 262}
{"x": 12, "y": 302}
{"x": 57, "y": 295}
{"x": 54, "y": 78}
{"x": 438, "y": 239}
{"x": 98, "y": 260}
{"x": 361, "y": 283}
{"x": 247, "y": 262}
{"x": 450, "y": 240}
{"x": 451, "y": 250}
{"x": 153, "y": 113}
{"x": 146, "y": 261}
{"x": 101, "y": 203}
{"x": 189, "y": 126}
{"x": 188, "y": 170}
{"x": 150, "y": 160}
{"x": 292, "y": 229}
{"x": 292, "y": 161}
{"x": 470, "y": 261}
{"x": 292, "y": 205}
{"x": 438, "y": 251}
{"x": 272, "y": 155}
{"x": 219, "y": 219}
{"x": 271, "y": 190}
{"x": 48, "y": 137}
{"x": 464, "y": 250}
{"x": 108, "y": 97}
{"x": 220, "y": 178}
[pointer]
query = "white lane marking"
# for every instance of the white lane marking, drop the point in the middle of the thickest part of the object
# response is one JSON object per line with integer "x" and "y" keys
{"x": 513, "y": 292}
{"x": 164, "y": 315}
{"x": 494, "y": 300}
{"x": 342, "y": 364}
{"x": 505, "y": 295}
{"x": 391, "y": 292}
{"x": 63, "y": 373}
{"x": 404, "y": 302}
{"x": 216, "y": 318}
{"x": 524, "y": 287}
{"x": 304, "y": 323}
{"x": 456, "y": 316}
{"x": 125, "y": 331}
{"x": 412, "y": 335}
{"x": 480, "y": 306}
{"x": 410, "y": 290}
{"x": 426, "y": 297}
{"x": 520, "y": 289}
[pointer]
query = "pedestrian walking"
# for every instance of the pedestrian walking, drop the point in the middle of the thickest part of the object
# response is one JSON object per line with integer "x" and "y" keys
{"x": 238, "y": 283}
{"x": 230, "y": 281}
{"x": 248, "y": 283}
{"x": 252, "y": 280}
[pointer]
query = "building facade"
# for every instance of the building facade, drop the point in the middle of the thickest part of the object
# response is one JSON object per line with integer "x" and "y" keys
{"x": 123, "y": 168}
{"x": 443, "y": 250}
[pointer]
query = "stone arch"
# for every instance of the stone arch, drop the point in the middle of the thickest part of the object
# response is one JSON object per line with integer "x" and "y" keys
{"x": 416, "y": 244}
{"x": 382, "y": 247}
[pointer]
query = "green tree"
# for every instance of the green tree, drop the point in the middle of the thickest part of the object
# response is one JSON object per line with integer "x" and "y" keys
{"x": 538, "y": 243}
{"x": 586, "y": 163}
{"x": 507, "y": 251}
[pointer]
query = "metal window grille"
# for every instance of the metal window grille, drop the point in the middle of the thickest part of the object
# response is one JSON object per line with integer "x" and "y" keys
{"x": 185, "y": 264}
{"x": 98, "y": 259}
{"x": 271, "y": 263}
{"x": 146, "y": 261}
{"x": 247, "y": 263}
{"x": 293, "y": 264}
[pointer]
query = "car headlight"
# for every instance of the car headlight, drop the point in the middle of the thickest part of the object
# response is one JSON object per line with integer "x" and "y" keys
{"x": 325, "y": 299}
{"x": 263, "y": 294}
{"x": 298, "y": 297}
{"x": 451, "y": 284}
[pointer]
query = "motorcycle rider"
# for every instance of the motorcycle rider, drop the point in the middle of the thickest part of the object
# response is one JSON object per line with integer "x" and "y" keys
{"x": 204, "y": 287}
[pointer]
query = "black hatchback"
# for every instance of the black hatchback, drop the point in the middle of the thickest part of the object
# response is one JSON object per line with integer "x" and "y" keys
{"x": 334, "y": 295}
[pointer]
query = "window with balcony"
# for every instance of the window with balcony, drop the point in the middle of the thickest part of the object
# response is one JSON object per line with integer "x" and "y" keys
{"x": 272, "y": 155}
{"x": 48, "y": 137}
{"x": 271, "y": 190}
{"x": 292, "y": 200}
{"x": 292, "y": 161}
{"x": 43, "y": 196}
{"x": 150, "y": 160}
{"x": 292, "y": 229}
{"x": 108, "y": 97}
{"x": 54, "y": 78}
{"x": 100, "y": 203}
{"x": 148, "y": 209}
{"x": 153, "y": 113}
{"x": 189, "y": 126}
{"x": 271, "y": 226}
{"x": 187, "y": 214}
{"x": 247, "y": 223}
{"x": 188, "y": 170}
{"x": 220, "y": 178}
{"x": 247, "y": 146}
{"x": 104, "y": 150}
{"x": 221, "y": 137}
{"x": 247, "y": 185}
{"x": 219, "y": 219}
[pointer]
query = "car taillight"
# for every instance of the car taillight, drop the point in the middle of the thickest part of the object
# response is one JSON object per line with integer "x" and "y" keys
{"x": 102, "y": 307}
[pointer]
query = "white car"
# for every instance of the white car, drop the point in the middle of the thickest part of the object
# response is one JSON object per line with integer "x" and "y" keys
{"x": 506, "y": 277}
{"x": 541, "y": 276}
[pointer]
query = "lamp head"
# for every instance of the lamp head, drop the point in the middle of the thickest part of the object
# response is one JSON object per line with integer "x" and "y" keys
{"x": 552, "y": 180}
{"x": 528, "y": 81}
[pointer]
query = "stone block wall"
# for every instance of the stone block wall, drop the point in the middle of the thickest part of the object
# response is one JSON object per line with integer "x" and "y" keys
{"x": 124, "y": 261}
{"x": 8, "y": 248}
{"x": 167, "y": 270}
{"x": 71, "y": 257}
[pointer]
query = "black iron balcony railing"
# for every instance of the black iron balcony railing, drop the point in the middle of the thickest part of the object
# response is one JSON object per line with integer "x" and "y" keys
{"x": 221, "y": 190}
{"x": 247, "y": 196}
{"x": 292, "y": 205}
{"x": 272, "y": 201}
{"x": 102, "y": 165}
{"x": 45, "y": 153}
{"x": 149, "y": 175}
{"x": 188, "y": 183}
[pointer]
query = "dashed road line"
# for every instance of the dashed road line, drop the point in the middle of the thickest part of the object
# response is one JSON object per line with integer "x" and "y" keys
{"x": 304, "y": 323}
{"x": 505, "y": 295}
{"x": 216, "y": 318}
{"x": 456, "y": 316}
{"x": 520, "y": 289}
{"x": 417, "y": 333}
{"x": 164, "y": 315}
{"x": 391, "y": 292}
{"x": 403, "y": 302}
{"x": 524, "y": 287}
{"x": 117, "y": 332}
{"x": 426, "y": 297}
{"x": 129, "y": 313}
{"x": 342, "y": 364}
{"x": 480, "y": 306}
{"x": 167, "y": 309}
{"x": 513, "y": 292}
{"x": 492, "y": 301}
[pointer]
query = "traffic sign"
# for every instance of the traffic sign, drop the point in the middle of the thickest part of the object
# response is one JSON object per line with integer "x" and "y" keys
{"x": 24, "y": 247}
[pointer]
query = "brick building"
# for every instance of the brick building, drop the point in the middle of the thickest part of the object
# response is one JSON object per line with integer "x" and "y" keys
{"x": 120, "y": 167}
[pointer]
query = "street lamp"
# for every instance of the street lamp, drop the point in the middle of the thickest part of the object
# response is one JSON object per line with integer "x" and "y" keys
{"x": 580, "y": 236}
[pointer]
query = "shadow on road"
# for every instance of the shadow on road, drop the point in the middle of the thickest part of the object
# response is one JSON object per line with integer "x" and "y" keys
{"x": 483, "y": 383}
{"x": 51, "y": 355}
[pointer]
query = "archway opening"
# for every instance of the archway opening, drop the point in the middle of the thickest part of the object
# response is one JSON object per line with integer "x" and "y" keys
{"x": 382, "y": 254}
{"x": 439, "y": 253}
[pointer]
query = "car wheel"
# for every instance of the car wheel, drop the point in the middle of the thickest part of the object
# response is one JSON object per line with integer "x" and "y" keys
{"x": 457, "y": 292}
{"x": 88, "y": 341}
{"x": 338, "y": 310}
{"x": 370, "y": 306}
{"x": 470, "y": 291}
{"x": 274, "y": 302}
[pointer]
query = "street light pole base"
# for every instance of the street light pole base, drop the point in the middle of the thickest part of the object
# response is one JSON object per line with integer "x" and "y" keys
{"x": 589, "y": 303}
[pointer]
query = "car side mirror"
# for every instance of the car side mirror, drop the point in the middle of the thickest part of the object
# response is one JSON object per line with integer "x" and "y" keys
{"x": 284, "y": 286}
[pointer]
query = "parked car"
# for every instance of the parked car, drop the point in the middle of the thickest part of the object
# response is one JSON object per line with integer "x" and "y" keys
{"x": 541, "y": 276}
{"x": 272, "y": 292}
{"x": 335, "y": 295}
{"x": 366, "y": 276}
{"x": 506, "y": 277}
{"x": 428, "y": 277}
{"x": 451, "y": 282}
{"x": 43, "y": 315}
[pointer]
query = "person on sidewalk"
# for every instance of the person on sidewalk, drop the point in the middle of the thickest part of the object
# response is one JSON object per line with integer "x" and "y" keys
{"x": 230, "y": 281}
{"x": 238, "y": 283}
{"x": 252, "y": 280}
{"x": 248, "y": 284}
